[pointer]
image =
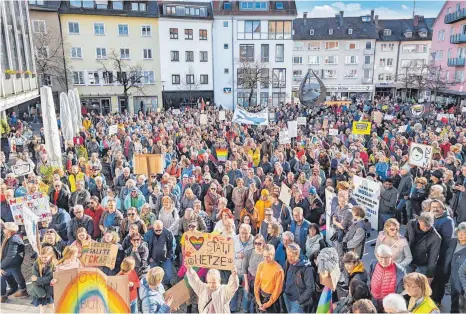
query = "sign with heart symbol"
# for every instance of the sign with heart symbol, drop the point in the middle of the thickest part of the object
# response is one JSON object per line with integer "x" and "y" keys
{"x": 197, "y": 242}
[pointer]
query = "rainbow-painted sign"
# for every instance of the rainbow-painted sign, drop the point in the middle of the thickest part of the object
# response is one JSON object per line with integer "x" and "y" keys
{"x": 222, "y": 154}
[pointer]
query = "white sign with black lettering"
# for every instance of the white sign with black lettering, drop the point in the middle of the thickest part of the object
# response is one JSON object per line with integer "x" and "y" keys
{"x": 283, "y": 137}
{"x": 420, "y": 155}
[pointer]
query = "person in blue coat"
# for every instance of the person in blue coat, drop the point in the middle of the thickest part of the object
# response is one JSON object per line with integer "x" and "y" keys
{"x": 151, "y": 293}
{"x": 60, "y": 221}
{"x": 300, "y": 228}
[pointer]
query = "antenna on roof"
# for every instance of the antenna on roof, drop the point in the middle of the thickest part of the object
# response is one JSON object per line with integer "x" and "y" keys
{"x": 414, "y": 8}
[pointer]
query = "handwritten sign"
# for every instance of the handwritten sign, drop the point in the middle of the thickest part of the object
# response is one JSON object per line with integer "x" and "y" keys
{"x": 285, "y": 194}
{"x": 209, "y": 250}
{"x": 180, "y": 294}
{"x": 420, "y": 155}
{"x": 97, "y": 254}
{"x": 38, "y": 203}
{"x": 366, "y": 193}
{"x": 30, "y": 224}
{"x": 203, "y": 118}
{"x": 221, "y": 115}
{"x": 21, "y": 170}
{"x": 148, "y": 164}
{"x": 378, "y": 117}
{"x": 113, "y": 129}
{"x": 333, "y": 132}
{"x": 301, "y": 120}
{"x": 292, "y": 128}
{"x": 361, "y": 128}
{"x": 283, "y": 137}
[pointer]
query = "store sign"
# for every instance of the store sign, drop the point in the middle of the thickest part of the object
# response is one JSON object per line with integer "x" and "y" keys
{"x": 349, "y": 88}
{"x": 227, "y": 90}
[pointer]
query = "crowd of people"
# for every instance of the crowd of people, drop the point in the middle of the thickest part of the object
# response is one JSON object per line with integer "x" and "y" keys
{"x": 96, "y": 195}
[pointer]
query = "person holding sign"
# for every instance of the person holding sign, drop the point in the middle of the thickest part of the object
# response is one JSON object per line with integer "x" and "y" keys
{"x": 42, "y": 275}
{"x": 127, "y": 269}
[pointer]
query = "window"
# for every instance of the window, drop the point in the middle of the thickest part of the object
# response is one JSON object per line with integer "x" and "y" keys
{"x": 204, "y": 79}
{"x": 313, "y": 45}
{"x": 253, "y": 5}
{"x": 203, "y": 57}
{"x": 353, "y": 45}
{"x": 423, "y": 33}
{"x": 387, "y": 47}
{"x": 76, "y": 3}
{"x": 330, "y": 31}
{"x": 101, "y": 5}
{"x": 189, "y": 56}
{"x": 381, "y": 76}
{"x": 387, "y": 32}
{"x": 76, "y": 53}
{"x": 439, "y": 55}
{"x": 331, "y": 60}
{"x": 459, "y": 76}
{"x": 188, "y": 34}
{"x": 36, "y": 2}
{"x": 78, "y": 77}
{"x": 202, "y": 34}
{"x": 175, "y": 79}
{"x": 193, "y": 11}
{"x": 368, "y": 45}
{"x": 148, "y": 77}
{"x": 173, "y": 33}
{"x": 146, "y": 30}
{"x": 279, "y": 78}
{"x": 101, "y": 53}
{"x": 350, "y": 31}
{"x": 390, "y": 62}
{"x": 225, "y": 46}
{"x": 246, "y": 52}
{"x": 414, "y": 48}
{"x": 367, "y": 59}
{"x": 366, "y": 74}
{"x": 170, "y": 10}
{"x": 124, "y": 53}
{"x": 73, "y": 27}
{"x": 330, "y": 74}
{"x": 382, "y": 62}
{"x": 264, "y": 98}
{"x": 107, "y": 77}
{"x": 175, "y": 55}
{"x": 46, "y": 80}
{"x": 190, "y": 79}
{"x": 298, "y": 60}
{"x": 351, "y": 59}
{"x": 441, "y": 35}
{"x": 99, "y": 29}
{"x": 93, "y": 77}
{"x": 243, "y": 99}
{"x": 280, "y": 53}
{"x": 313, "y": 59}
{"x": 264, "y": 53}
{"x": 38, "y": 26}
{"x": 225, "y": 23}
{"x": 135, "y": 77}
{"x": 227, "y": 6}
{"x": 388, "y": 77}
{"x": 226, "y": 71}
{"x": 123, "y": 29}
{"x": 280, "y": 29}
{"x": 138, "y": 6}
{"x": 147, "y": 53}
{"x": 252, "y": 30}
{"x": 278, "y": 99}
{"x": 117, "y": 5}
{"x": 350, "y": 74}
{"x": 449, "y": 53}
{"x": 311, "y": 32}
{"x": 279, "y": 5}
{"x": 42, "y": 53}
{"x": 121, "y": 77}
{"x": 332, "y": 45}
{"x": 264, "y": 78}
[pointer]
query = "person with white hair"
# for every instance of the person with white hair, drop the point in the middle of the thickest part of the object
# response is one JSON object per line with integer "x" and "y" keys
{"x": 394, "y": 303}
{"x": 213, "y": 296}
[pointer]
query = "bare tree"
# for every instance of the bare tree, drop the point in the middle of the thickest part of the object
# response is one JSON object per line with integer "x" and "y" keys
{"x": 189, "y": 82}
{"x": 129, "y": 76}
{"x": 251, "y": 75}
{"x": 419, "y": 78}
{"x": 437, "y": 79}
{"x": 405, "y": 76}
{"x": 50, "y": 59}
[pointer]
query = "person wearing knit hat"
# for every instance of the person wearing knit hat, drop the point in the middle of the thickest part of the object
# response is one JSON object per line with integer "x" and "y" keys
{"x": 263, "y": 203}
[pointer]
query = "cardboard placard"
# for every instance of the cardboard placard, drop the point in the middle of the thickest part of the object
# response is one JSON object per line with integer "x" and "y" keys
{"x": 285, "y": 194}
{"x": 378, "y": 117}
{"x": 388, "y": 117}
{"x": 222, "y": 154}
{"x": 301, "y": 120}
{"x": 366, "y": 192}
{"x": 361, "y": 128}
{"x": 21, "y": 170}
{"x": 148, "y": 164}
{"x": 292, "y": 128}
{"x": 97, "y": 254}
{"x": 89, "y": 290}
{"x": 208, "y": 250}
{"x": 113, "y": 129}
{"x": 420, "y": 155}
{"x": 203, "y": 118}
{"x": 283, "y": 137}
{"x": 38, "y": 203}
{"x": 333, "y": 132}
{"x": 221, "y": 115}
{"x": 180, "y": 294}
{"x": 30, "y": 222}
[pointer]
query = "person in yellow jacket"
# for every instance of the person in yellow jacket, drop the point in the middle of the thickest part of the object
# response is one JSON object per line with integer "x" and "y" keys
{"x": 261, "y": 205}
{"x": 255, "y": 152}
{"x": 418, "y": 288}
{"x": 87, "y": 123}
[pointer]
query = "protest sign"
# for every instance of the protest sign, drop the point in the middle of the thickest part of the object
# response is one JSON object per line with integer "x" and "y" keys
{"x": 420, "y": 155}
{"x": 272, "y": 116}
{"x": 113, "y": 129}
{"x": 283, "y": 137}
{"x": 402, "y": 128}
{"x": 89, "y": 290}
{"x": 362, "y": 128}
{"x": 180, "y": 294}
{"x": 148, "y": 164}
{"x": 38, "y": 203}
{"x": 176, "y": 111}
{"x": 292, "y": 128}
{"x": 366, "y": 193}
{"x": 242, "y": 116}
{"x": 203, "y": 118}
{"x": 440, "y": 116}
{"x": 333, "y": 132}
{"x": 209, "y": 250}
{"x": 378, "y": 117}
{"x": 463, "y": 109}
{"x": 31, "y": 225}
{"x": 329, "y": 229}
{"x": 301, "y": 120}
{"x": 221, "y": 115}
{"x": 388, "y": 117}
{"x": 97, "y": 254}
{"x": 222, "y": 154}
{"x": 325, "y": 124}
{"x": 285, "y": 194}
{"x": 21, "y": 170}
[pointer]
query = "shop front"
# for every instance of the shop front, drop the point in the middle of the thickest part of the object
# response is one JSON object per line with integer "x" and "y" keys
{"x": 100, "y": 105}
{"x": 387, "y": 89}
{"x": 343, "y": 92}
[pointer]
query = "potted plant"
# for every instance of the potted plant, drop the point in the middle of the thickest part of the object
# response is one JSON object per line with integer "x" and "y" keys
{"x": 27, "y": 73}
{"x": 9, "y": 73}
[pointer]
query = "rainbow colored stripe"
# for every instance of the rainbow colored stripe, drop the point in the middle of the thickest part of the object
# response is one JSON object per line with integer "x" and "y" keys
{"x": 325, "y": 302}
{"x": 222, "y": 154}
{"x": 96, "y": 291}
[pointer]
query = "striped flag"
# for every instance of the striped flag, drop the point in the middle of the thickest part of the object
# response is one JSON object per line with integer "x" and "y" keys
{"x": 325, "y": 302}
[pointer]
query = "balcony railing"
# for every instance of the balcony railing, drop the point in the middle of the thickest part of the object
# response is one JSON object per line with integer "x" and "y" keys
{"x": 457, "y": 39}
{"x": 455, "y": 16}
{"x": 456, "y": 62}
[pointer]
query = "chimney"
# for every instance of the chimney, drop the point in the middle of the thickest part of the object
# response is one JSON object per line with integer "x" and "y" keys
{"x": 376, "y": 20}
{"x": 340, "y": 19}
{"x": 372, "y": 15}
{"x": 305, "y": 17}
{"x": 416, "y": 21}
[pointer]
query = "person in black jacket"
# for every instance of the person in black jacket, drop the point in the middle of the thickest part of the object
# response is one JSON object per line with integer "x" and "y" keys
{"x": 11, "y": 260}
{"x": 140, "y": 252}
{"x": 418, "y": 195}
{"x": 299, "y": 285}
{"x": 358, "y": 290}
{"x": 353, "y": 270}
{"x": 59, "y": 197}
{"x": 60, "y": 221}
{"x": 80, "y": 220}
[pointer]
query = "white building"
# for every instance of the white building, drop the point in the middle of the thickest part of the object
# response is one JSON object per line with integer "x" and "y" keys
{"x": 258, "y": 32}
{"x": 403, "y": 46}
{"x": 185, "y": 32}
{"x": 339, "y": 50}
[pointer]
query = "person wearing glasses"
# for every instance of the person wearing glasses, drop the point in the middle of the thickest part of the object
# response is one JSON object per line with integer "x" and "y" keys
{"x": 139, "y": 251}
{"x": 190, "y": 218}
{"x": 60, "y": 221}
{"x": 52, "y": 238}
{"x": 79, "y": 220}
{"x": 132, "y": 218}
{"x": 212, "y": 201}
{"x": 160, "y": 242}
{"x": 59, "y": 197}
{"x": 252, "y": 259}
{"x": 418, "y": 288}
{"x": 390, "y": 236}
{"x": 95, "y": 211}
{"x": 79, "y": 197}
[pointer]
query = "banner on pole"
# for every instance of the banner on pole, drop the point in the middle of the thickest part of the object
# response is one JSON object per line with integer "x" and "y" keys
{"x": 31, "y": 222}
{"x": 283, "y": 137}
{"x": 420, "y": 155}
{"x": 242, "y": 116}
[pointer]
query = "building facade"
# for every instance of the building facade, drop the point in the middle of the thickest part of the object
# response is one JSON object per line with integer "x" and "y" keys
{"x": 186, "y": 59}
{"x": 404, "y": 46}
{"x": 18, "y": 80}
{"x": 339, "y": 50}
{"x": 113, "y": 46}
{"x": 449, "y": 48}
{"x": 253, "y": 36}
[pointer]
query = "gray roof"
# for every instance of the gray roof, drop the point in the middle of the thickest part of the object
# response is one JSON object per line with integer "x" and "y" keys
{"x": 48, "y": 6}
{"x": 186, "y": 3}
{"x": 321, "y": 26}
{"x": 152, "y": 10}
{"x": 289, "y": 8}
{"x": 398, "y": 27}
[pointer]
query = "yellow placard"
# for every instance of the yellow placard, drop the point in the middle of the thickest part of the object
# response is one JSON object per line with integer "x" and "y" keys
{"x": 337, "y": 102}
{"x": 362, "y": 128}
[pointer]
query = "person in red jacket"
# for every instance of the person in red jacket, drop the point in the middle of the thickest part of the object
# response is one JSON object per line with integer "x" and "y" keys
{"x": 127, "y": 268}
{"x": 174, "y": 170}
{"x": 95, "y": 211}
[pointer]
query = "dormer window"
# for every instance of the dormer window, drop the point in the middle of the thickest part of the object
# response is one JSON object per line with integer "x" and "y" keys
{"x": 330, "y": 31}
{"x": 387, "y": 32}
{"x": 279, "y": 5}
{"x": 350, "y": 31}
{"x": 311, "y": 32}
{"x": 423, "y": 33}
{"x": 408, "y": 34}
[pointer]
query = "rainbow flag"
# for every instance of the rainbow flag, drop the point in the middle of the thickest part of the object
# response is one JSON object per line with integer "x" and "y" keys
{"x": 222, "y": 154}
{"x": 325, "y": 302}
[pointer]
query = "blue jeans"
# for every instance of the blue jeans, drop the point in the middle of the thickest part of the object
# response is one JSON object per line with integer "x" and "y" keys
{"x": 249, "y": 303}
{"x": 234, "y": 300}
{"x": 292, "y": 306}
{"x": 134, "y": 306}
{"x": 168, "y": 269}
{"x": 15, "y": 279}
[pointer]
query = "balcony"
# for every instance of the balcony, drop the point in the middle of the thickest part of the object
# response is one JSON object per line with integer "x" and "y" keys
{"x": 458, "y": 39}
{"x": 366, "y": 80}
{"x": 456, "y": 62}
{"x": 455, "y": 16}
